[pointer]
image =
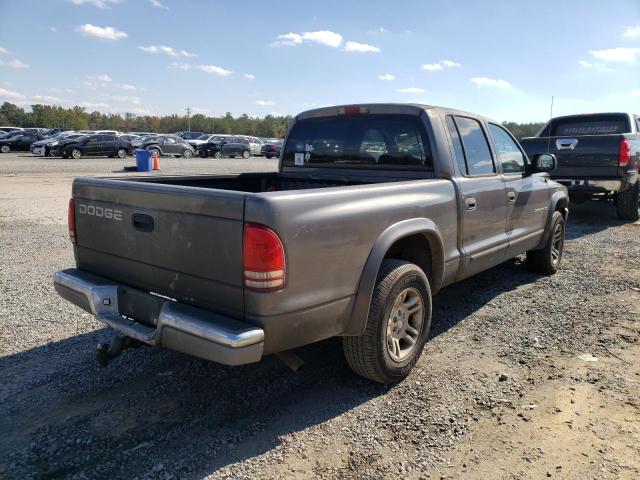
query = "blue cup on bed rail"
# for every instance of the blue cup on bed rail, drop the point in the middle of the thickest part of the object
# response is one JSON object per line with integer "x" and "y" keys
{"x": 144, "y": 160}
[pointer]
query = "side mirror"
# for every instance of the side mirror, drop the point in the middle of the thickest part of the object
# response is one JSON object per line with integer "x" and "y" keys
{"x": 544, "y": 162}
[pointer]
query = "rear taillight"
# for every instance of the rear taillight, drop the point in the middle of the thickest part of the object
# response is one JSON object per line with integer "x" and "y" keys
{"x": 263, "y": 259}
{"x": 625, "y": 153}
{"x": 71, "y": 220}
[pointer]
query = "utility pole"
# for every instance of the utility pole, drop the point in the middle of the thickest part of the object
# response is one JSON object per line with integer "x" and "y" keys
{"x": 188, "y": 109}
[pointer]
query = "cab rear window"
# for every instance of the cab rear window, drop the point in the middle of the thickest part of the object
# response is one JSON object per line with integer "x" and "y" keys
{"x": 589, "y": 125}
{"x": 388, "y": 142}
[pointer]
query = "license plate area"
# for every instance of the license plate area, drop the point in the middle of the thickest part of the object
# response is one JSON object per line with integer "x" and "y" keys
{"x": 140, "y": 306}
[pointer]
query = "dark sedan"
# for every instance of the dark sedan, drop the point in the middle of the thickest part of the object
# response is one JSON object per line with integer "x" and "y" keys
{"x": 225, "y": 147}
{"x": 19, "y": 142}
{"x": 168, "y": 145}
{"x": 271, "y": 149}
{"x": 93, "y": 145}
{"x": 43, "y": 147}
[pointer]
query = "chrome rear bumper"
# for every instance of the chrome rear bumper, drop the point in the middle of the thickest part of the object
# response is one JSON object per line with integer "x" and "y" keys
{"x": 177, "y": 326}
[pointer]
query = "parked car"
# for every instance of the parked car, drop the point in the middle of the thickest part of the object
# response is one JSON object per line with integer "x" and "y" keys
{"x": 338, "y": 242}
{"x": 43, "y": 147}
{"x": 10, "y": 129}
{"x": 271, "y": 149}
{"x": 95, "y": 145}
{"x": 189, "y": 135}
{"x": 598, "y": 157}
{"x": 202, "y": 139}
{"x": 227, "y": 146}
{"x": 168, "y": 145}
{"x": 255, "y": 144}
{"x": 136, "y": 140}
{"x": 21, "y": 141}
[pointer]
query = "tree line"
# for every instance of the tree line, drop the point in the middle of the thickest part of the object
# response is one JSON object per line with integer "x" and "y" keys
{"x": 77, "y": 118}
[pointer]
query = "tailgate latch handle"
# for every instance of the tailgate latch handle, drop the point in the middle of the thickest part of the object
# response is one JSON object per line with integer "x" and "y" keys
{"x": 143, "y": 222}
{"x": 566, "y": 143}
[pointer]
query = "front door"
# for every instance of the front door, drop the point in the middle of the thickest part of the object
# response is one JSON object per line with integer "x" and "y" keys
{"x": 91, "y": 146}
{"x": 483, "y": 217}
{"x": 527, "y": 196}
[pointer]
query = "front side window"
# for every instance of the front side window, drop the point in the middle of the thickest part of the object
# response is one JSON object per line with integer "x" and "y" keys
{"x": 169, "y": 140}
{"x": 391, "y": 142}
{"x": 476, "y": 148}
{"x": 510, "y": 156}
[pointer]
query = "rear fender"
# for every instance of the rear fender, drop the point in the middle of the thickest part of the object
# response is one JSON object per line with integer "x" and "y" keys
{"x": 423, "y": 226}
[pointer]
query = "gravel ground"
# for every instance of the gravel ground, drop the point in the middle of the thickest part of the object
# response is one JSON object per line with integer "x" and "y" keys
{"x": 524, "y": 377}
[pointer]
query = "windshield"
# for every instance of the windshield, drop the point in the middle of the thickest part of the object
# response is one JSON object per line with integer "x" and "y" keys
{"x": 363, "y": 141}
{"x": 203, "y": 137}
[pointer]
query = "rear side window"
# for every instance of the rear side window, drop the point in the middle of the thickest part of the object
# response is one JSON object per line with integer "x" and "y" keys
{"x": 476, "y": 147}
{"x": 457, "y": 145}
{"x": 589, "y": 125}
{"x": 389, "y": 142}
{"x": 510, "y": 156}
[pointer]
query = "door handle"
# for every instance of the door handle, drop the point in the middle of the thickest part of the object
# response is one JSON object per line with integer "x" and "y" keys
{"x": 471, "y": 203}
{"x": 511, "y": 196}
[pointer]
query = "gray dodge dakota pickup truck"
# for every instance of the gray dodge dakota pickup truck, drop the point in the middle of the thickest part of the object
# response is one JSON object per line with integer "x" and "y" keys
{"x": 374, "y": 209}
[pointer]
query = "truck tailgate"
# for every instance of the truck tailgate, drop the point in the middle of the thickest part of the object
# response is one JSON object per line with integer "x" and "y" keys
{"x": 180, "y": 242}
{"x": 582, "y": 156}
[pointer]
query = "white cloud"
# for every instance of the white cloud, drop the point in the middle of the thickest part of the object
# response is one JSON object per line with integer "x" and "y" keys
{"x": 442, "y": 64}
{"x": 5, "y": 51}
{"x": 265, "y": 103}
{"x": 360, "y": 47}
{"x": 104, "y": 78}
{"x": 386, "y": 76}
{"x": 61, "y": 90}
{"x": 94, "y": 105}
{"x": 431, "y": 67}
{"x": 632, "y": 31}
{"x": 158, "y": 4}
{"x": 14, "y": 64}
{"x": 10, "y": 94}
{"x": 450, "y": 63}
{"x": 596, "y": 66}
{"x": 106, "y": 33}
{"x": 249, "y": 76}
{"x": 127, "y": 99}
{"x": 378, "y": 30}
{"x": 620, "y": 54}
{"x": 410, "y": 90}
{"x": 323, "y": 37}
{"x": 96, "y": 3}
{"x": 46, "y": 99}
{"x": 53, "y": 29}
{"x": 172, "y": 52}
{"x": 223, "y": 72}
{"x": 125, "y": 86}
{"x": 490, "y": 82}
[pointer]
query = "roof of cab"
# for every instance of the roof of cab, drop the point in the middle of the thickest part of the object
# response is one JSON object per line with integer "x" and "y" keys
{"x": 384, "y": 108}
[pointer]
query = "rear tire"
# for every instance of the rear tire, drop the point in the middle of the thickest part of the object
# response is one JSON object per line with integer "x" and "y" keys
{"x": 547, "y": 260}
{"x": 268, "y": 157}
{"x": 122, "y": 153}
{"x": 627, "y": 204}
{"x": 246, "y": 154}
{"x": 5, "y": 149}
{"x": 397, "y": 325}
{"x": 156, "y": 151}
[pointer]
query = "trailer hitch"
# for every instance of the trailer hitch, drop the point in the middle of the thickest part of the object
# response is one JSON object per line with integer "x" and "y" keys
{"x": 106, "y": 353}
